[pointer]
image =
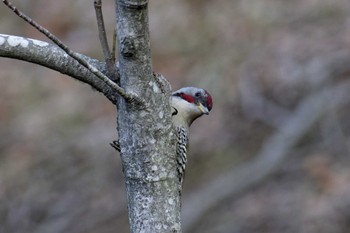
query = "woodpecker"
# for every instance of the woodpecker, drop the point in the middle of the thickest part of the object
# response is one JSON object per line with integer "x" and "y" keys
{"x": 188, "y": 104}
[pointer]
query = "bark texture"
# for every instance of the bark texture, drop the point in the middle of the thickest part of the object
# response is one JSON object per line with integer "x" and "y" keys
{"x": 147, "y": 138}
{"x": 51, "y": 56}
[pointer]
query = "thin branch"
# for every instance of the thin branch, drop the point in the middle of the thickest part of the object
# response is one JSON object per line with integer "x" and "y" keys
{"x": 114, "y": 44}
{"x": 127, "y": 96}
{"x": 110, "y": 62}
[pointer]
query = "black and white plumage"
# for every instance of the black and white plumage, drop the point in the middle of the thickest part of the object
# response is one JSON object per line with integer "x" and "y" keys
{"x": 188, "y": 104}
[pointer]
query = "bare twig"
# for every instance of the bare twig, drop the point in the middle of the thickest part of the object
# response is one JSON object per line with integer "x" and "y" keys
{"x": 127, "y": 96}
{"x": 110, "y": 62}
{"x": 114, "y": 44}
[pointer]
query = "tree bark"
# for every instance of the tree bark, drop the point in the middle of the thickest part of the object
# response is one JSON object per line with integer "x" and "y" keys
{"x": 52, "y": 57}
{"x": 147, "y": 138}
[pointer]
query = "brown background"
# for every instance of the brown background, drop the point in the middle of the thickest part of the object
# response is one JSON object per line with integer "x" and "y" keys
{"x": 260, "y": 60}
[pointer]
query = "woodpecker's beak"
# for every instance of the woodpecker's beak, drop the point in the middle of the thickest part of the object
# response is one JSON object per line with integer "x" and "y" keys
{"x": 203, "y": 109}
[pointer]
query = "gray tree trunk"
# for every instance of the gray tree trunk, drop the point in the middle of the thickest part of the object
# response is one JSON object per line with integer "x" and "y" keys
{"x": 147, "y": 138}
{"x": 146, "y": 133}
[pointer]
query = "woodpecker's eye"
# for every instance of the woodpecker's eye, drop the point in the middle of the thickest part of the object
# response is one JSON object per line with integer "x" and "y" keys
{"x": 198, "y": 94}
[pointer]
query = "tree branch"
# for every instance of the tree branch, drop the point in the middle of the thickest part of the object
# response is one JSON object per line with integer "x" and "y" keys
{"x": 104, "y": 42}
{"x": 51, "y": 56}
{"x": 127, "y": 96}
{"x": 114, "y": 44}
{"x": 147, "y": 136}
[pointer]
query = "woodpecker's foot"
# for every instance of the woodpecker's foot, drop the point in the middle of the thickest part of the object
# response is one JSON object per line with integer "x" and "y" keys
{"x": 115, "y": 145}
{"x": 162, "y": 83}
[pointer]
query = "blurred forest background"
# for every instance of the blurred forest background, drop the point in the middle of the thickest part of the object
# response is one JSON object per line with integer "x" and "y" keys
{"x": 273, "y": 156}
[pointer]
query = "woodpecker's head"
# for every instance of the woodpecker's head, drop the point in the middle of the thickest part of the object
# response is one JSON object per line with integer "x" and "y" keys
{"x": 191, "y": 103}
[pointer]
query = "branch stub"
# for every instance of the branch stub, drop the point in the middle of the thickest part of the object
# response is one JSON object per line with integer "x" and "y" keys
{"x": 128, "y": 47}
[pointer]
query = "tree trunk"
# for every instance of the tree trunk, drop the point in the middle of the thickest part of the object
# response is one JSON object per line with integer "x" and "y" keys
{"x": 146, "y": 134}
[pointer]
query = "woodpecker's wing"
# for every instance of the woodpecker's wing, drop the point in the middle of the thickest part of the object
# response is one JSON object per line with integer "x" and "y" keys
{"x": 181, "y": 151}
